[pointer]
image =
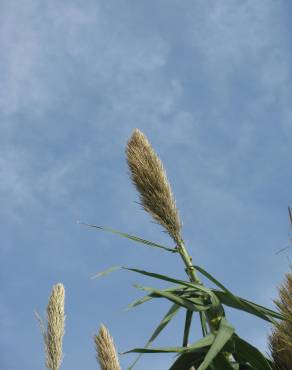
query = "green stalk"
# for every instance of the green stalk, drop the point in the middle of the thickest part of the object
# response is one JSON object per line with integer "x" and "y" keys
{"x": 212, "y": 318}
{"x": 192, "y": 274}
{"x": 190, "y": 270}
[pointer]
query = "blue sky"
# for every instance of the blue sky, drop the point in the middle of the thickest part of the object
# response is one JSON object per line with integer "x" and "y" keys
{"x": 209, "y": 83}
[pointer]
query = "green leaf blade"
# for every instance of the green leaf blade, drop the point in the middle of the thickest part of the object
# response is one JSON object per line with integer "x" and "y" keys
{"x": 195, "y": 286}
{"x": 188, "y": 322}
{"x": 250, "y": 354}
{"x": 131, "y": 237}
{"x": 183, "y": 302}
{"x": 247, "y": 306}
{"x": 148, "y": 297}
{"x": 163, "y": 323}
{"x": 223, "y": 335}
{"x": 228, "y": 298}
{"x": 106, "y": 272}
{"x": 194, "y": 354}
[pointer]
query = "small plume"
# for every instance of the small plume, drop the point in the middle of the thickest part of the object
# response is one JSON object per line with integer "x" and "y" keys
{"x": 149, "y": 177}
{"x": 105, "y": 350}
{"x": 280, "y": 341}
{"x": 53, "y": 335}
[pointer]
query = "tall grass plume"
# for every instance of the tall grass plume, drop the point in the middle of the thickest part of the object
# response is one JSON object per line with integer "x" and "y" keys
{"x": 280, "y": 341}
{"x": 106, "y": 354}
{"x": 149, "y": 177}
{"x": 54, "y": 331}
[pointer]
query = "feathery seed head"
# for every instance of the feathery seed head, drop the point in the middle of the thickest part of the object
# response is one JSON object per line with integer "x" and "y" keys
{"x": 149, "y": 178}
{"x": 280, "y": 341}
{"x": 55, "y": 327}
{"x": 105, "y": 350}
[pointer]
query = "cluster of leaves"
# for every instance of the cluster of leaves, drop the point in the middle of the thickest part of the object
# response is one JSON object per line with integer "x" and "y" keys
{"x": 220, "y": 348}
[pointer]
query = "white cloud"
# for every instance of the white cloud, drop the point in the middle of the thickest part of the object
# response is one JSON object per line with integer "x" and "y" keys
{"x": 15, "y": 188}
{"x": 231, "y": 32}
{"x": 246, "y": 41}
{"x": 20, "y": 45}
{"x": 49, "y": 44}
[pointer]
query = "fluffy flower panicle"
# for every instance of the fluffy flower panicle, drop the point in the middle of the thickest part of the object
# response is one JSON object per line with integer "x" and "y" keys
{"x": 149, "y": 178}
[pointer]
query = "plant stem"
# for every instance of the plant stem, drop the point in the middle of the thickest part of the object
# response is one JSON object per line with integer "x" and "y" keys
{"x": 190, "y": 270}
{"x": 192, "y": 274}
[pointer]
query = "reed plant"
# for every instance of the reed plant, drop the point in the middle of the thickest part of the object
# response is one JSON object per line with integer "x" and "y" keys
{"x": 220, "y": 347}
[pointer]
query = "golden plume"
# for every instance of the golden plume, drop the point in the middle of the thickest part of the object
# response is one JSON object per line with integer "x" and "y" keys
{"x": 280, "y": 341}
{"x": 53, "y": 334}
{"x": 105, "y": 350}
{"x": 149, "y": 177}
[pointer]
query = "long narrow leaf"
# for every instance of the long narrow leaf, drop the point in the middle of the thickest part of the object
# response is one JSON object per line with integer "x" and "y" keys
{"x": 251, "y": 354}
{"x": 216, "y": 282}
{"x": 211, "y": 278}
{"x": 265, "y": 310}
{"x": 156, "y": 350}
{"x": 203, "y": 321}
{"x": 240, "y": 303}
{"x": 188, "y": 360}
{"x": 223, "y": 335}
{"x": 174, "y": 298}
{"x": 222, "y": 363}
{"x": 202, "y": 343}
{"x": 164, "y": 322}
{"x": 131, "y": 237}
{"x": 106, "y": 272}
{"x": 194, "y": 355}
{"x": 195, "y": 286}
{"x": 207, "y": 341}
{"x": 149, "y": 297}
{"x": 188, "y": 322}
{"x": 247, "y": 306}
